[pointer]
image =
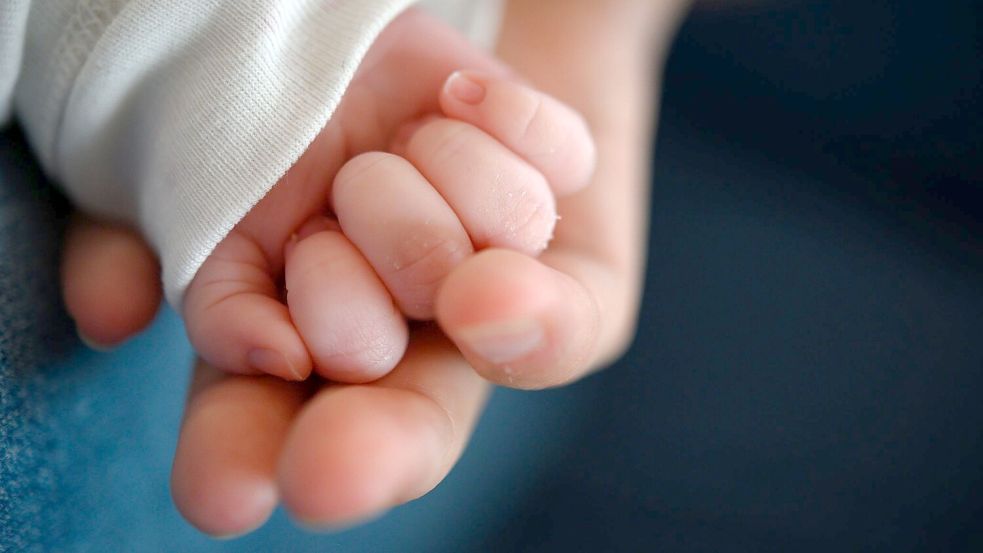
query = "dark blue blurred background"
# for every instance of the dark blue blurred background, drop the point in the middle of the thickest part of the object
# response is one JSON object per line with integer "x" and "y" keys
{"x": 809, "y": 372}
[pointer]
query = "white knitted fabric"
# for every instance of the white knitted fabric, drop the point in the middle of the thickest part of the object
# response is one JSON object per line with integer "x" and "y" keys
{"x": 179, "y": 115}
{"x": 13, "y": 22}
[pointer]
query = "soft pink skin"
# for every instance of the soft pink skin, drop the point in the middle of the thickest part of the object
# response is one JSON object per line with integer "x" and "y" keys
{"x": 397, "y": 437}
{"x": 470, "y": 174}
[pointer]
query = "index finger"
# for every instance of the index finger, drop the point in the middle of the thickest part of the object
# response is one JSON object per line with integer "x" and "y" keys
{"x": 358, "y": 450}
{"x": 347, "y": 453}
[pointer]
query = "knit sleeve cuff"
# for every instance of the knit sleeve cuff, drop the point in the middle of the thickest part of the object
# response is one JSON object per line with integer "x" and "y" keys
{"x": 187, "y": 112}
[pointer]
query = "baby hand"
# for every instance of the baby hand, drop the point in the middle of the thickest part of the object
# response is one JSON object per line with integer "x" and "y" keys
{"x": 420, "y": 166}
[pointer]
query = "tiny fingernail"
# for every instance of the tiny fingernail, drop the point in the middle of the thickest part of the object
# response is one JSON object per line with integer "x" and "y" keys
{"x": 273, "y": 362}
{"x": 314, "y": 225}
{"x": 262, "y": 502}
{"x": 93, "y": 344}
{"x": 338, "y": 525}
{"x": 465, "y": 89}
{"x": 503, "y": 342}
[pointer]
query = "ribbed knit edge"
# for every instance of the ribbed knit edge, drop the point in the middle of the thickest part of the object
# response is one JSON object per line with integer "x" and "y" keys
{"x": 359, "y": 22}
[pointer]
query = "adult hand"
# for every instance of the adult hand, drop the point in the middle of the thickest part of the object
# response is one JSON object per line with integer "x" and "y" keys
{"x": 334, "y": 453}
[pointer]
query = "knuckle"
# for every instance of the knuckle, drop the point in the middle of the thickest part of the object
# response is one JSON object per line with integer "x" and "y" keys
{"x": 424, "y": 260}
{"x": 439, "y": 140}
{"x": 527, "y": 222}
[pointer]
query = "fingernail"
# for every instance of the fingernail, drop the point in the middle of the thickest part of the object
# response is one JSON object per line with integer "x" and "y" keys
{"x": 93, "y": 344}
{"x": 273, "y": 362}
{"x": 338, "y": 525}
{"x": 503, "y": 342}
{"x": 266, "y": 499}
{"x": 314, "y": 225}
{"x": 465, "y": 89}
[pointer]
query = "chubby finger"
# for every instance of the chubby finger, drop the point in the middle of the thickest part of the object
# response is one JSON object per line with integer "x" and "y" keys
{"x": 548, "y": 134}
{"x": 223, "y": 477}
{"x": 356, "y": 451}
{"x": 402, "y": 226}
{"x": 523, "y": 323}
{"x": 342, "y": 309}
{"x": 234, "y": 316}
{"x": 110, "y": 281}
{"x": 501, "y": 200}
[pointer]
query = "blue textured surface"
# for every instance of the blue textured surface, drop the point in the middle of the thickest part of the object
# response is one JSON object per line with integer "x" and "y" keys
{"x": 33, "y": 332}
